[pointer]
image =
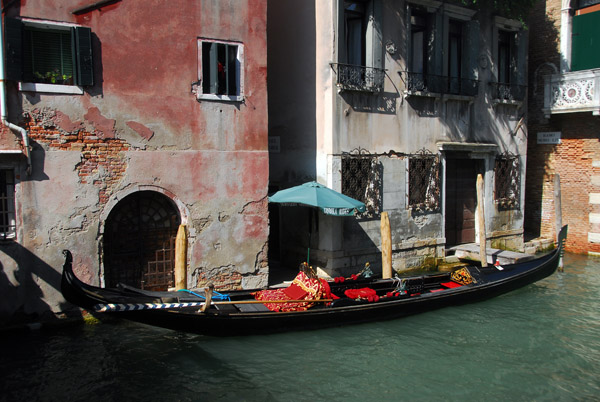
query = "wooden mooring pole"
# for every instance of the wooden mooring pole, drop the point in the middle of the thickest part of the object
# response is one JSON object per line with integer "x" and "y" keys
{"x": 558, "y": 213}
{"x": 481, "y": 221}
{"x": 181, "y": 258}
{"x": 386, "y": 246}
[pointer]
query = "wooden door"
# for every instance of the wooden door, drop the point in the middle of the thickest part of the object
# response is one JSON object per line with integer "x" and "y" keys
{"x": 461, "y": 200}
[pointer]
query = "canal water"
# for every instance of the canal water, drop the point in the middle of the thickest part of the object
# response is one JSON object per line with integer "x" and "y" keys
{"x": 539, "y": 343}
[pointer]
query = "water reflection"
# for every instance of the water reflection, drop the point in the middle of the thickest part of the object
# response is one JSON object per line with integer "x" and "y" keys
{"x": 538, "y": 343}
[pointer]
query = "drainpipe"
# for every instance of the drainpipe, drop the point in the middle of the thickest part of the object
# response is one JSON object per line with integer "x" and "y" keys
{"x": 14, "y": 127}
{"x": 566, "y": 30}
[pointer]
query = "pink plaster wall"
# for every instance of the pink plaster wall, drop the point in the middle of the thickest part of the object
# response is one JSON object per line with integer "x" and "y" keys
{"x": 141, "y": 120}
{"x": 146, "y": 59}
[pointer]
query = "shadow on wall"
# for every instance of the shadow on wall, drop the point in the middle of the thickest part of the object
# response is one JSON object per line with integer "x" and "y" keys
{"x": 544, "y": 59}
{"x": 23, "y": 297}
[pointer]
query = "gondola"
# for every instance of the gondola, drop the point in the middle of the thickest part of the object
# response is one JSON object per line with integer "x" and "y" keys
{"x": 353, "y": 300}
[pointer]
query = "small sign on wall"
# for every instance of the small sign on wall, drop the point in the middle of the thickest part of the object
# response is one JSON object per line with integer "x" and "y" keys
{"x": 548, "y": 137}
{"x": 274, "y": 144}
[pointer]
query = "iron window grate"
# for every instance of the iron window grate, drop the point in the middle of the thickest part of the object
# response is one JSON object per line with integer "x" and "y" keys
{"x": 507, "y": 180}
{"x": 424, "y": 181}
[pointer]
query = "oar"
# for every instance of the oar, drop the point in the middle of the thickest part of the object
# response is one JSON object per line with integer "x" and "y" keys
{"x": 104, "y": 308}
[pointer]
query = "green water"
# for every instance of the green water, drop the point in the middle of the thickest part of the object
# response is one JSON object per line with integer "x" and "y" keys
{"x": 540, "y": 343}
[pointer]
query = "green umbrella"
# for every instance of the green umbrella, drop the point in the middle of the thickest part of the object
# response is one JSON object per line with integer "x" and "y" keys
{"x": 313, "y": 194}
{"x": 317, "y": 195}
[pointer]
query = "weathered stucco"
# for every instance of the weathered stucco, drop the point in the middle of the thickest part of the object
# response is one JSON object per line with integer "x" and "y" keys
{"x": 140, "y": 126}
{"x": 391, "y": 120}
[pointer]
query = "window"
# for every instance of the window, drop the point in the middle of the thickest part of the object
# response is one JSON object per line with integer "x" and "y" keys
{"x": 507, "y": 181}
{"x": 221, "y": 67}
{"x": 355, "y": 29}
{"x": 48, "y": 56}
{"x": 454, "y": 56}
{"x": 362, "y": 176}
{"x": 361, "y": 49}
{"x": 504, "y": 57}
{"x": 423, "y": 182}
{"x": 585, "y": 50}
{"x": 7, "y": 204}
{"x": 418, "y": 48}
{"x": 510, "y": 57}
{"x": 443, "y": 46}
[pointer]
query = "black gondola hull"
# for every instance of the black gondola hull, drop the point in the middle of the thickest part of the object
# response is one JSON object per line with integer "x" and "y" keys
{"x": 491, "y": 283}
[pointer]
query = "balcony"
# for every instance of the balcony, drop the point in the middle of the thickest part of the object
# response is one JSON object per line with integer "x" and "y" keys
{"x": 508, "y": 93}
{"x": 571, "y": 92}
{"x": 424, "y": 84}
{"x": 359, "y": 78}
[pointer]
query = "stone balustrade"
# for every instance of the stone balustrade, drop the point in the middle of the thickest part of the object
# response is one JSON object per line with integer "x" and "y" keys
{"x": 577, "y": 91}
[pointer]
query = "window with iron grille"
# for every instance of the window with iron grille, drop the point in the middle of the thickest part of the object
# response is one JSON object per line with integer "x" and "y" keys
{"x": 361, "y": 180}
{"x": 507, "y": 180}
{"x": 424, "y": 182}
{"x": 7, "y": 204}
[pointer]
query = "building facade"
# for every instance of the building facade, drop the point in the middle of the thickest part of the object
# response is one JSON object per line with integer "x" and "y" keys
{"x": 563, "y": 121}
{"x": 123, "y": 120}
{"x": 400, "y": 104}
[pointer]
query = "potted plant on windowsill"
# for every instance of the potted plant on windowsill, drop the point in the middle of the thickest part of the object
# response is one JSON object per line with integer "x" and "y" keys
{"x": 53, "y": 77}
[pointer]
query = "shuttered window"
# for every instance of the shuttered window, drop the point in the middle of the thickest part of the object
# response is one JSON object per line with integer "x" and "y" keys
{"x": 585, "y": 51}
{"x": 442, "y": 52}
{"x": 51, "y": 54}
{"x": 48, "y": 57}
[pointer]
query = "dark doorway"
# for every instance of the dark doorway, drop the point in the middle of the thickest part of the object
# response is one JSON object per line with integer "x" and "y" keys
{"x": 139, "y": 241}
{"x": 461, "y": 199}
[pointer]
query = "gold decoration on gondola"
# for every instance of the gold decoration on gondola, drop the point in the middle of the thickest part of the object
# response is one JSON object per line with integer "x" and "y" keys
{"x": 462, "y": 276}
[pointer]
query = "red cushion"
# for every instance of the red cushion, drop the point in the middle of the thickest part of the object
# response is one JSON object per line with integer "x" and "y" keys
{"x": 363, "y": 293}
{"x": 295, "y": 292}
{"x": 451, "y": 285}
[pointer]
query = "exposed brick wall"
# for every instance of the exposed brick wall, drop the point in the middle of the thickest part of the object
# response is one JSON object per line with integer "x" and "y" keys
{"x": 103, "y": 162}
{"x": 572, "y": 159}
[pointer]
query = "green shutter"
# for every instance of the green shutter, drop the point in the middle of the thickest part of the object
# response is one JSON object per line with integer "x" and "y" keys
{"x": 470, "y": 50}
{"x": 82, "y": 38}
{"x": 522, "y": 39}
{"x": 408, "y": 30}
{"x": 585, "y": 50}
{"x": 436, "y": 44}
{"x": 13, "y": 30}
{"x": 518, "y": 58}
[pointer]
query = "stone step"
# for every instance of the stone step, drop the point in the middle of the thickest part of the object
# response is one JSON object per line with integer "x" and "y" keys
{"x": 470, "y": 251}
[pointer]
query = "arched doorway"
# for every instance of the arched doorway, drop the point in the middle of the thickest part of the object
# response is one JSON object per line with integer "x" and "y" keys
{"x": 139, "y": 241}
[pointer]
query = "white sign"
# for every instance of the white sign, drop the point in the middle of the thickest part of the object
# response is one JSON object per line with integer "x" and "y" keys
{"x": 549, "y": 137}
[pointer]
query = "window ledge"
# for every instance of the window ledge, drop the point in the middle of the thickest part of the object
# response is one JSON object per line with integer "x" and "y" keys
{"x": 223, "y": 98}
{"x": 460, "y": 98}
{"x": 50, "y": 88}
{"x": 422, "y": 94}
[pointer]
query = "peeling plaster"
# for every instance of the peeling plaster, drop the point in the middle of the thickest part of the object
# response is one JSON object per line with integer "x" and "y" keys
{"x": 140, "y": 129}
{"x": 104, "y": 126}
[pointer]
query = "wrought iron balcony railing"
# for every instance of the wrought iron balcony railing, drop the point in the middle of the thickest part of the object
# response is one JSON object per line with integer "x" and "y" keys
{"x": 359, "y": 78}
{"x": 577, "y": 91}
{"x": 429, "y": 83}
{"x": 508, "y": 92}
